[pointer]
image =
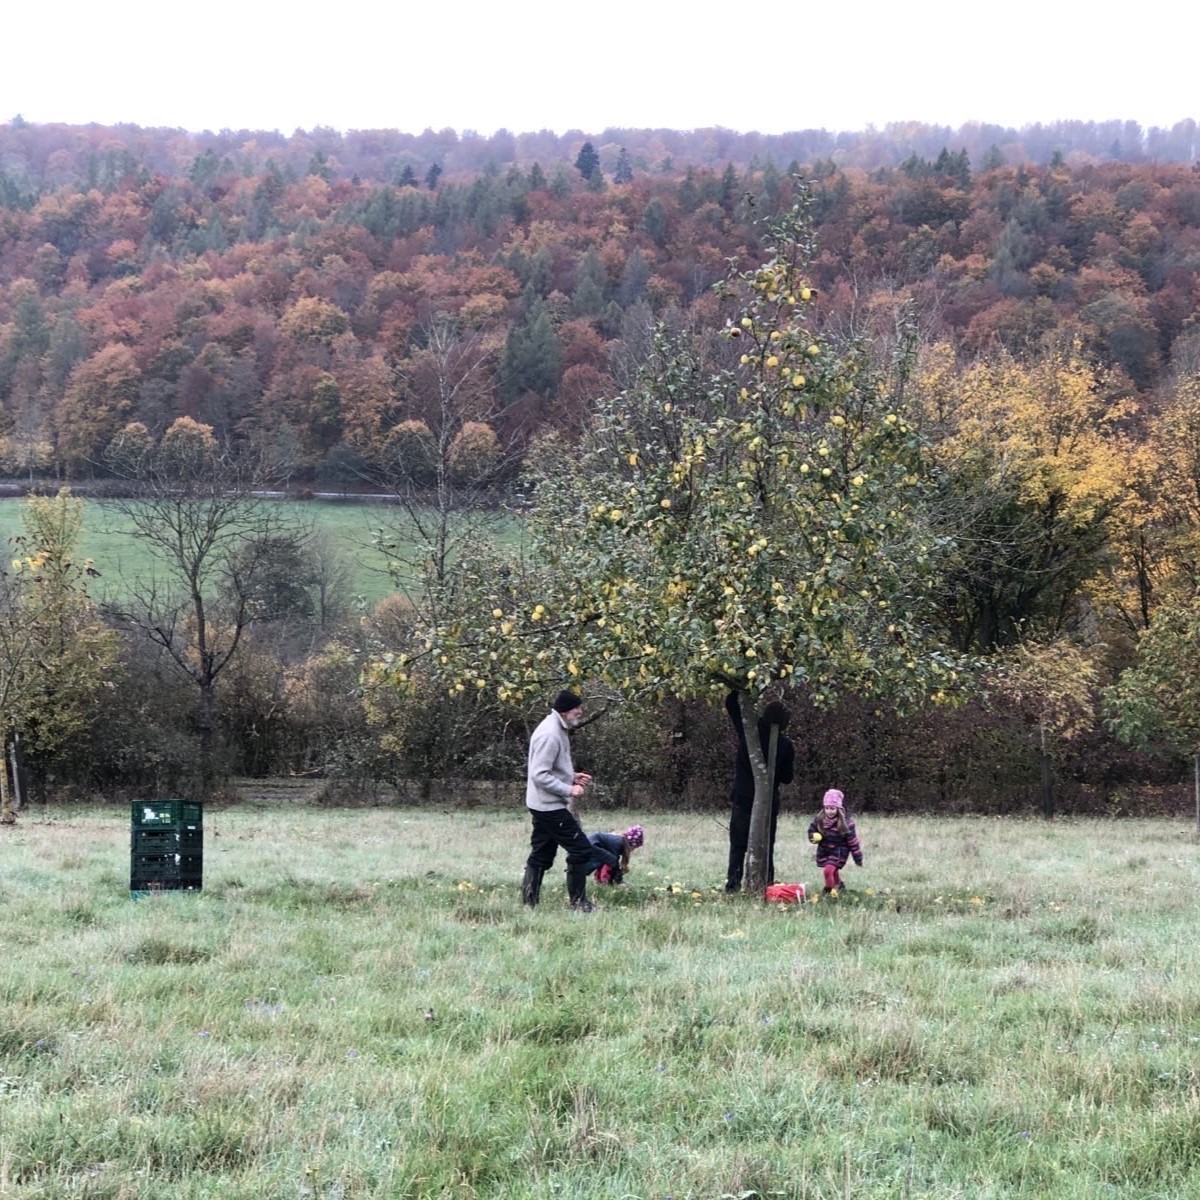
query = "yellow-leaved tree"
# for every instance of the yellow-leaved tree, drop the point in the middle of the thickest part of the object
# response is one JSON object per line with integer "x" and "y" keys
{"x": 1032, "y": 470}
{"x": 1054, "y": 686}
{"x": 56, "y": 656}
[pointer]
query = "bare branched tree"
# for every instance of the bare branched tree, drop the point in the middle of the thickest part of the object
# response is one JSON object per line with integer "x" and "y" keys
{"x": 445, "y": 465}
{"x": 198, "y": 511}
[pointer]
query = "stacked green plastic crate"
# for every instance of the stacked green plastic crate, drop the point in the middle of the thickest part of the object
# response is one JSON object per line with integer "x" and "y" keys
{"x": 166, "y": 846}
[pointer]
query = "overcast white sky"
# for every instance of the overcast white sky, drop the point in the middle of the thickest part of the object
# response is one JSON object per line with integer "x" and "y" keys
{"x": 553, "y": 64}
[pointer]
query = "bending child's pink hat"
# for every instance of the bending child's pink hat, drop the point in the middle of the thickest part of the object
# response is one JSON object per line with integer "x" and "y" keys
{"x": 833, "y": 799}
{"x": 635, "y": 835}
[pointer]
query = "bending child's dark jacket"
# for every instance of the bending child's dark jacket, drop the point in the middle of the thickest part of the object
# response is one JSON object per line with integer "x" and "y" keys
{"x": 607, "y": 848}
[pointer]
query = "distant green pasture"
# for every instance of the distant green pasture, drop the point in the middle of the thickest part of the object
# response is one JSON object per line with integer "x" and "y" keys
{"x": 121, "y": 558}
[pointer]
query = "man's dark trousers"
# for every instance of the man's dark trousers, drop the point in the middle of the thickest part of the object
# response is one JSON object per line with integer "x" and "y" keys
{"x": 554, "y": 829}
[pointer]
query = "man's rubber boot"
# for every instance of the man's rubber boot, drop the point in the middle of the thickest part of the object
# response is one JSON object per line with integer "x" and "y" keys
{"x": 577, "y": 890}
{"x": 531, "y": 886}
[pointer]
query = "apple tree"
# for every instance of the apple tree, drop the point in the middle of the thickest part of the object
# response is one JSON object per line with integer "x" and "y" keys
{"x": 1158, "y": 698}
{"x": 745, "y": 517}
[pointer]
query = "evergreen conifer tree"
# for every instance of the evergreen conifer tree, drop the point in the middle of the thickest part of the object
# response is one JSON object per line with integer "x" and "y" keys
{"x": 532, "y": 355}
{"x": 588, "y": 161}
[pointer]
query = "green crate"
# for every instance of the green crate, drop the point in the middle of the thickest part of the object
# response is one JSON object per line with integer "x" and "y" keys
{"x": 161, "y": 872}
{"x": 188, "y": 840}
{"x": 167, "y": 814}
{"x": 164, "y": 866}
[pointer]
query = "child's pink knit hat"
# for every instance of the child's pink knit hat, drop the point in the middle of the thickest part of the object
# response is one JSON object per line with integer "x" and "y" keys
{"x": 635, "y": 836}
{"x": 833, "y": 799}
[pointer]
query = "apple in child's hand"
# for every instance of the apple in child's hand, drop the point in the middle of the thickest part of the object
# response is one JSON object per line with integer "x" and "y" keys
{"x": 814, "y": 838}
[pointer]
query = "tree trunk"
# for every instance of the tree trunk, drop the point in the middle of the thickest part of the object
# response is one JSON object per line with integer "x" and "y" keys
{"x": 8, "y": 815}
{"x": 758, "y": 849}
{"x": 208, "y": 707}
{"x": 1047, "y": 779}
{"x": 1196, "y": 778}
{"x": 18, "y": 796}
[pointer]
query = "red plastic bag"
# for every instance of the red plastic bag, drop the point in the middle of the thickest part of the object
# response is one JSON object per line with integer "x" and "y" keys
{"x": 784, "y": 893}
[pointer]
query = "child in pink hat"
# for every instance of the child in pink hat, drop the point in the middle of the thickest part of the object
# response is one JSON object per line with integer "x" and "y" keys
{"x": 619, "y": 846}
{"x": 832, "y": 831}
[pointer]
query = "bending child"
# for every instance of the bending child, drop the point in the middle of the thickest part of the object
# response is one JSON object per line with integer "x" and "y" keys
{"x": 618, "y": 847}
{"x": 832, "y": 830}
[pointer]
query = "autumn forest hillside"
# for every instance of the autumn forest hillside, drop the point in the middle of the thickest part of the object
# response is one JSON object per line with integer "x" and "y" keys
{"x": 283, "y": 290}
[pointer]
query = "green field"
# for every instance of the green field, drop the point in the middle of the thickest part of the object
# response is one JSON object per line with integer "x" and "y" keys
{"x": 358, "y": 1006}
{"x": 122, "y": 559}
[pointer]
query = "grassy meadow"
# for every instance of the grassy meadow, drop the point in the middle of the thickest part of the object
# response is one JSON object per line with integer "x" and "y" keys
{"x": 357, "y": 1005}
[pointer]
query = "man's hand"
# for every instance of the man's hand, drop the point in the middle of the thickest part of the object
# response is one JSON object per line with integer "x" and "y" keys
{"x": 582, "y": 779}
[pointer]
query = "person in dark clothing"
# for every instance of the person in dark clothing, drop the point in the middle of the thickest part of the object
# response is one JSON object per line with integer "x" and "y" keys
{"x": 742, "y": 796}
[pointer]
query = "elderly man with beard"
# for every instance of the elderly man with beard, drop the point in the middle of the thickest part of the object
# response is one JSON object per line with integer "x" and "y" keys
{"x": 552, "y": 787}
